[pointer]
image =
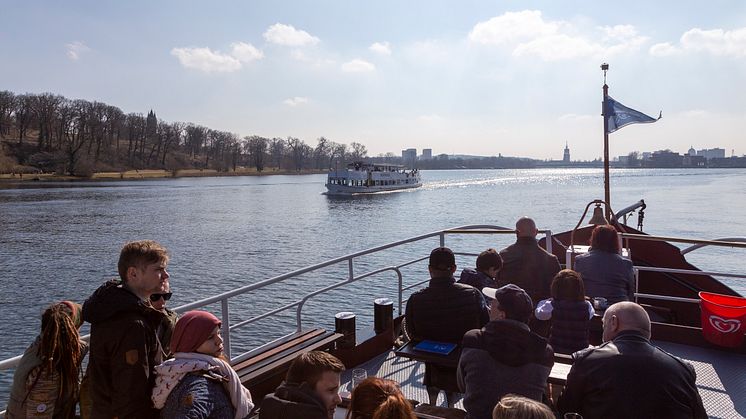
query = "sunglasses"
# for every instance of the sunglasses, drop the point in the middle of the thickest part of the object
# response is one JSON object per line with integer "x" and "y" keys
{"x": 155, "y": 297}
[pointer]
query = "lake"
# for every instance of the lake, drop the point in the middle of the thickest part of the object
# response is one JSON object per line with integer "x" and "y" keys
{"x": 62, "y": 240}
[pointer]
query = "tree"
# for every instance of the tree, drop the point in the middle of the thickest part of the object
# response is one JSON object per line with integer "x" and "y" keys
{"x": 257, "y": 151}
{"x": 358, "y": 152}
{"x": 277, "y": 151}
{"x": 23, "y": 113}
{"x": 321, "y": 152}
{"x": 44, "y": 107}
{"x": 7, "y": 104}
{"x": 300, "y": 152}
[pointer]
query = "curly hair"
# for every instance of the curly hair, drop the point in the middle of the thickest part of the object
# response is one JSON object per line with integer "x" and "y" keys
{"x": 377, "y": 398}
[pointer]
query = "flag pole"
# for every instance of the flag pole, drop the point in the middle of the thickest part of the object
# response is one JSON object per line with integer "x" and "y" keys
{"x": 607, "y": 193}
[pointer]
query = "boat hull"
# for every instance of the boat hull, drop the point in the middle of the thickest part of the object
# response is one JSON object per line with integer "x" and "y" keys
{"x": 352, "y": 190}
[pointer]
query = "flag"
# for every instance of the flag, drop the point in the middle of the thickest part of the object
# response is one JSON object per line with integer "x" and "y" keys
{"x": 619, "y": 115}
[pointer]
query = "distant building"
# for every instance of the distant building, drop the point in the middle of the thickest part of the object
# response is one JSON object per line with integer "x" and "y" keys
{"x": 409, "y": 156}
{"x": 427, "y": 154}
{"x": 692, "y": 151}
{"x": 646, "y": 155}
{"x": 566, "y": 156}
{"x": 665, "y": 158}
{"x": 712, "y": 153}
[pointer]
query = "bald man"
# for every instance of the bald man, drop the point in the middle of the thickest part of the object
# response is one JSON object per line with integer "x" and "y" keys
{"x": 627, "y": 376}
{"x": 526, "y": 264}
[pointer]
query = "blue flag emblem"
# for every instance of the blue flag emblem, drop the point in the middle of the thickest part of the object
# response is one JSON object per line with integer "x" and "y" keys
{"x": 619, "y": 115}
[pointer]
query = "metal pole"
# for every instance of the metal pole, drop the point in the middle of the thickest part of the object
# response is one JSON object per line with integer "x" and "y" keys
{"x": 607, "y": 192}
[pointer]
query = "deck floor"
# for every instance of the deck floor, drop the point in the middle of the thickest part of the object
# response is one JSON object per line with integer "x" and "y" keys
{"x": 721, "y": 377}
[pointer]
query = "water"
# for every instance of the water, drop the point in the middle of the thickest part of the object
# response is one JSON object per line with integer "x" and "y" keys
{"x": 62, "y": 240}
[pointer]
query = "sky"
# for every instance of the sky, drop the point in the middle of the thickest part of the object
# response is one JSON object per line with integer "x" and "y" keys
{"x": 517, "y": 78}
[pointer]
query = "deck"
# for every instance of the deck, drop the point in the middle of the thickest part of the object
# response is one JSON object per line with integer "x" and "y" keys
{"x": 721, "y": 377}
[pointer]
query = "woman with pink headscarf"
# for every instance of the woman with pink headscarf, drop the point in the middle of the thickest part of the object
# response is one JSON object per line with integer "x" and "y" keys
{"x": 198, "y": 382}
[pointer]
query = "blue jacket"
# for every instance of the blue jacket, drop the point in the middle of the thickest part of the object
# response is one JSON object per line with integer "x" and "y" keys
{"x": 198, "y": 397}
{"x": 607, "y": 275}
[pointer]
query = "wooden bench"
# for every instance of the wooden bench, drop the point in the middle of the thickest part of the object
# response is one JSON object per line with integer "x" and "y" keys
{"x": 263, "y": 368}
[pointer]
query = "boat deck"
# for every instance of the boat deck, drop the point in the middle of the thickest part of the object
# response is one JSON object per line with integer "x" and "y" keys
{"x": 721, "y": 377}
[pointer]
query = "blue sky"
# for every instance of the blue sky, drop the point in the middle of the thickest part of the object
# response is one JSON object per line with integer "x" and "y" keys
{"x": 460, "y": 77}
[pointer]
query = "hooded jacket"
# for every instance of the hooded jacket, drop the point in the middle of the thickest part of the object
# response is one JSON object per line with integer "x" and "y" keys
{"x": 503, "y": 357}
{"x": 124, "y": 351}
{"x": 291, "y": 400}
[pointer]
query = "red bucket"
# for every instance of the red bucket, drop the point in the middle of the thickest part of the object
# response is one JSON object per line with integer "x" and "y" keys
{"x": 723, "y": 319}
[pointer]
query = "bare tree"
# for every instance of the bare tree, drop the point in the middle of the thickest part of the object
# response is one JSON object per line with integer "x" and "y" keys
{"x": 277, "y": 151}
{"x": 44, "y": 107}
{"x": 257, "y": 147}
{"x": 321, "y": 152}
{"x": 358, "y": 152}
{"x": 300, "y": 152}
{"x": 7, "y": 104}
{"x": 23, "y": 113}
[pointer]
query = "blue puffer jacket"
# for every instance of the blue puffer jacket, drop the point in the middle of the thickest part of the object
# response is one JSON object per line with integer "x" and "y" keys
{"x": 198, "y": 396}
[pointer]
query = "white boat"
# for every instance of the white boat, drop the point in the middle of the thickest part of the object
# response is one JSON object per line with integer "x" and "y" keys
{"x": 362, "y": 177}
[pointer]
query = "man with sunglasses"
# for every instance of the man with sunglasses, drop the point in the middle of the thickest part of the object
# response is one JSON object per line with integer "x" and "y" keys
{"x": 124, "y": 346}
{"x": 166, "y": 328}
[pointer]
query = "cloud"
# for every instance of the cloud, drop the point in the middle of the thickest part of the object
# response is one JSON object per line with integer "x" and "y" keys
{"x": 664, "y": 49}
{"x": 572, "y": 117}
{"x": 204, "y": 59}
{"x": 382, "y": 48}
{"x": 76, "y": 49}
{"x": 358, "y": 66}
{"x": 245, "y": 52}
{"x": 694, "y": 113}
{"x": 287, "y": 35}
{"x": 714, "y": 41}
{"x": 295, "y": 101}
{"x": 527, "y": 33}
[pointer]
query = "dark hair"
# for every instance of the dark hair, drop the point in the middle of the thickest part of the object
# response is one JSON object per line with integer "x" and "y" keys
{"x": 604, "y": 238}
{"x": 60, "y": 349}
{"x": 139, "y": 254}
{"x": 518, "y": 407}
{"x": 489, "y": 259}
{"x": 567, "y": 285}
{"x": 377, "y": 398}
{"x": 442, "y": 259}
{"x": 308, "y": 367}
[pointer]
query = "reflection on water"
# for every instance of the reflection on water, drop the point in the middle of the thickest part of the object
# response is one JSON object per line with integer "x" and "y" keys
{"x": 61, "y": 240}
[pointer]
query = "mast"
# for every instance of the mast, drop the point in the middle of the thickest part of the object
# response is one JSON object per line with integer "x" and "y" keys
{"x": 607, "y": 192}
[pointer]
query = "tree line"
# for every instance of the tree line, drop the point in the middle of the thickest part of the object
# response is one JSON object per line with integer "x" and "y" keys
{"x": 52, "y": 133}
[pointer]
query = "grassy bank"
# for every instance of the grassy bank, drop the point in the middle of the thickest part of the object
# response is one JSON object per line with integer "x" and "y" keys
{"x": 152, "y": 174}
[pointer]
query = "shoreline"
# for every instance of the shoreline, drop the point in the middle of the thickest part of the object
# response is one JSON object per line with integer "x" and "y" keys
{"x": 146, "y": 174}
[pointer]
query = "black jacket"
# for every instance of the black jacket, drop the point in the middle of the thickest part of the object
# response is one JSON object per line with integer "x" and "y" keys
{"x": 291, "y": 401}
{"x": 124, "y": 350}
{"x": 445, "y": 310}
{"x": 529, "y": 266}
{"x": 476, "y": 279}
{"x": 629, "y": 377}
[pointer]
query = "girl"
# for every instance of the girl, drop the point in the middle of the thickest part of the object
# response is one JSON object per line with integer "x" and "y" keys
{"x": 198, "y": 382}
{"x": 570, "y": 312}
{"x": 376, "y": 398}
{"x": 46, "y": 383}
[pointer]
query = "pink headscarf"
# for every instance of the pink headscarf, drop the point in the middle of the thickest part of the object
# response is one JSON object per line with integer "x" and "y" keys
{"x": 192, "y": 330}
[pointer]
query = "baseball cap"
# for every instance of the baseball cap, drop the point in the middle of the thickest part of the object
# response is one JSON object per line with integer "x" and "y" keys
{"x": 513, "y": 300}
{"x": 441, "y": 258}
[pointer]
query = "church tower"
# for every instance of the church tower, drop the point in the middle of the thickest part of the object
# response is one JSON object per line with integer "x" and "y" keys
{"x": 566, "y": 156}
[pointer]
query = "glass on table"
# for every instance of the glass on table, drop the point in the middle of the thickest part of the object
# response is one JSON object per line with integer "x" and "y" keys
{"x": 358, "y": 375}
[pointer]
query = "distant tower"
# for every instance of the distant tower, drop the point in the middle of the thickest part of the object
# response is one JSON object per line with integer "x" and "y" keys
{"x": 151, "y": 125}
{"x": 692, "y": 151}
{"x": 566, "y": 156}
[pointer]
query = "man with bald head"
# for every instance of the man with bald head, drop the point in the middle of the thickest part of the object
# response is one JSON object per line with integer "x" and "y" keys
{"x": 627, "y": 376}
{"x": 526, "y": 264}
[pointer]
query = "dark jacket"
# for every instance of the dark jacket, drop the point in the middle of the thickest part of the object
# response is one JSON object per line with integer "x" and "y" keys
{"x": 198, "y": 396}
{"x": 503, "y": 357}
{"x": 124, "y": 350}
{"x": 476, "y": 279}
{"x": 444, "y": 311}
{"x": 606, "y": 274}
{"x": 528, "y": 266}
{"x": 629, "y": 377}
{"x": 569, "y": 326}
{"x": 291, "y": 401}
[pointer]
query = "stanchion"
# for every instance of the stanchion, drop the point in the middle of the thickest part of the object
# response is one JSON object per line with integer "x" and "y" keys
{"x": 344, "y": 323}
{"x": 383, "y": 314}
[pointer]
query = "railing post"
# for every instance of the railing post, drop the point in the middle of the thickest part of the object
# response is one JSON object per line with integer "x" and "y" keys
{"x": 350, "y": 270}
{"x": 401, "y": 292}
{"x": 442, "y": 239}
{"x": 637, "y": 283}
{"x": 226, "y": 328}
{"x": 549, "y": 241}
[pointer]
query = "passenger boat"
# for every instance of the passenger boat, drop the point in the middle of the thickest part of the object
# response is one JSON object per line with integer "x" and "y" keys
{"x": 668, "y": 288}
{"x": 359, "y": 178}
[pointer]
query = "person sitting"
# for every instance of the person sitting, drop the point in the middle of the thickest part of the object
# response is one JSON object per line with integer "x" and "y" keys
{"x": 46, "y": 381}
{"x": 627, "y": 376}
{"x": 310, "y": 389}
{"x": 199, "y": 381}
{"x": 376, "y": 398}
{"x": 569, "y": 311}
{"x": 604, "y": 271}
{"x": 517, "y": 407}
{"x": 489, "y": 263}
{"x": 443, "y": 312}
{"x": 505, "y": 356}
